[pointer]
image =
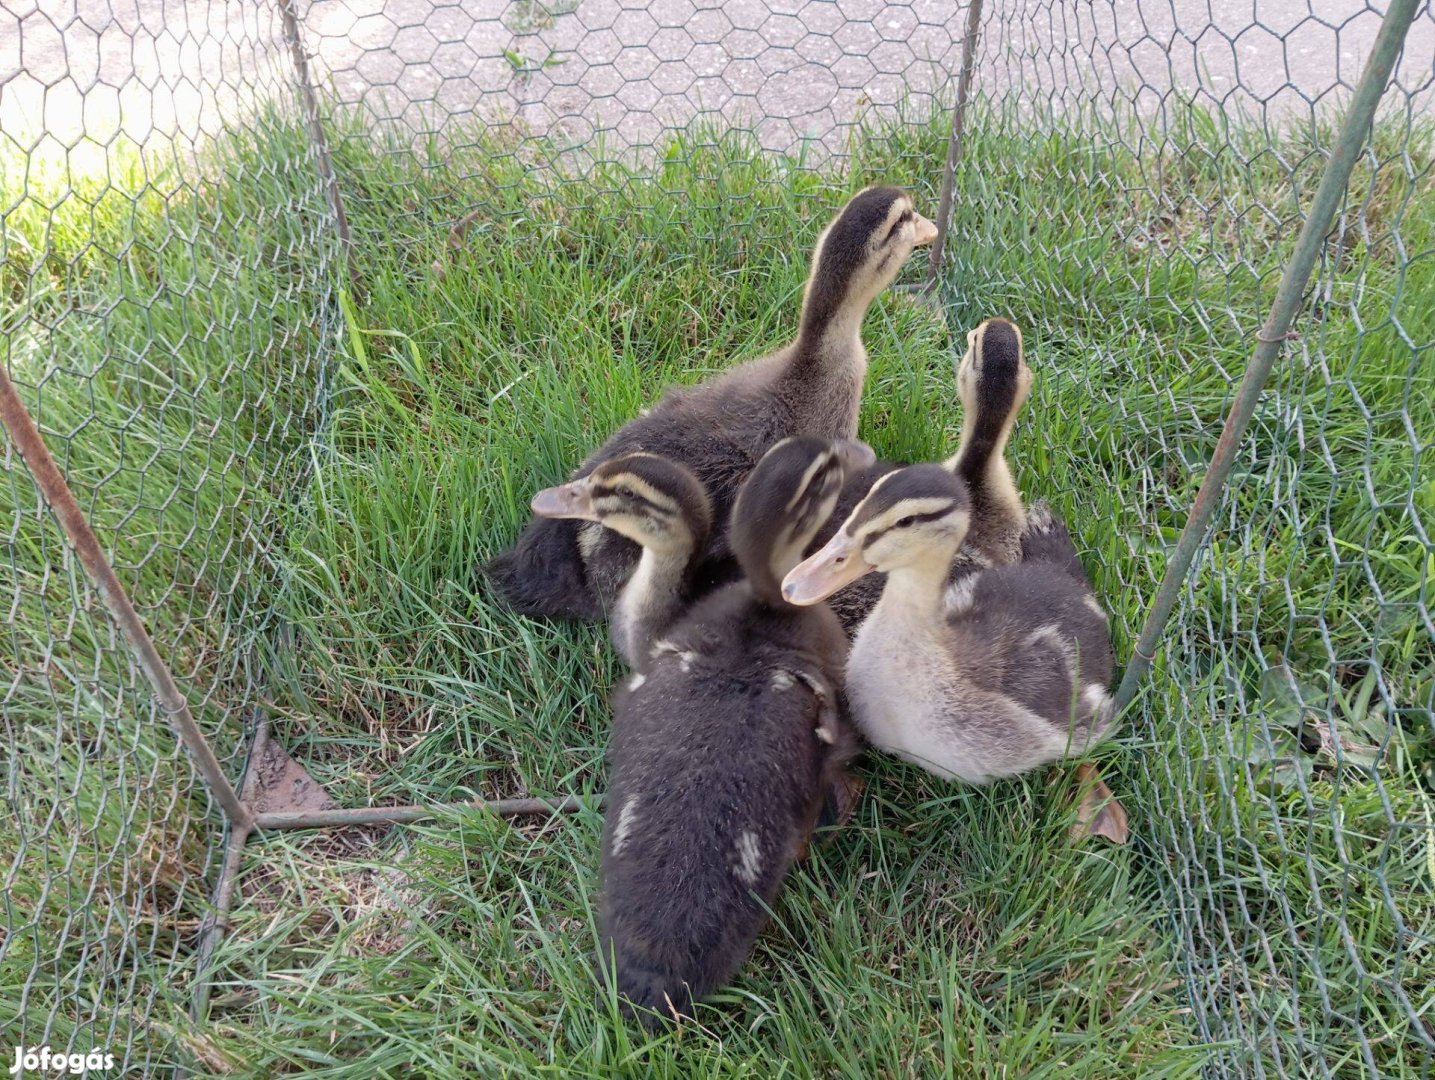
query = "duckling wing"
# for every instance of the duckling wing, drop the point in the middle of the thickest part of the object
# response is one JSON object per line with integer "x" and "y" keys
{"x": 1047, "y": 540}
{"x": 715, "y": 781}
{"x": 1033, "y": 634}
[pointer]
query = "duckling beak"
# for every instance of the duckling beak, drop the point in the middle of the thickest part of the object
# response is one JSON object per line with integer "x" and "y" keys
{"x": 573, "y": 500}
{"x": 926, "y": 231}
{"x": 813, "y": 580}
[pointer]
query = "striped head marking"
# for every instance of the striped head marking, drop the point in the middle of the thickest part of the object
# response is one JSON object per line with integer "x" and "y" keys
{"x": 788, "y": 498}
{"x": 649, "y": 499}
{"x": 916, "y": 515}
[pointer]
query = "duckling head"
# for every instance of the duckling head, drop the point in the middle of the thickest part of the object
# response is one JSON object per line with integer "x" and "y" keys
{"x": 653, "y": 501}
{"x": 993, "y": 381}
{"x": 786, "y": 500}
{"x": 913, "y": 518}
{"x": 858, "y": 255}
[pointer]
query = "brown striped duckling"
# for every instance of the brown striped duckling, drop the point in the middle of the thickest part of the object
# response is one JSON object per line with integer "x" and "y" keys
{"x": 1001, "y": 671}
{"x": 724, "y": 749}
{"x": 720, "y": 428}
{"x": 660, "y": 506}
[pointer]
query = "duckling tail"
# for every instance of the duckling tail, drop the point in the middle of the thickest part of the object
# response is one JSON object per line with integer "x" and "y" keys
{"x": 542, "y": 573}
{"x": 1047, "y": 540}
{"x": 652, "y": 998}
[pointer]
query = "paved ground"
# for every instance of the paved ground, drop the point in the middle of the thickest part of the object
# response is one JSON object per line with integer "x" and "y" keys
{"x": 790, "y": 69}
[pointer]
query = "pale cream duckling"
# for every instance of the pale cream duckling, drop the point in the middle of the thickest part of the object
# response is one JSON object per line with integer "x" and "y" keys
{"x": 994, "y": 674}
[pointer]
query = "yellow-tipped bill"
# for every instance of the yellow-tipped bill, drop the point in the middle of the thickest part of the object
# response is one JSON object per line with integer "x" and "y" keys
{"x": 573, "y": 500}
{"x": 813, "y": 580}
{"x": 926, "y": 231}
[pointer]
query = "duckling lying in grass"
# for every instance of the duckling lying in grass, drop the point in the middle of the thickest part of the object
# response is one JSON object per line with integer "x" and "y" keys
{"x": 724, "y": 749}
{"x": 659, "y": 505}
{"x": 989, "y": 676}
{"x": 721, "y": 427}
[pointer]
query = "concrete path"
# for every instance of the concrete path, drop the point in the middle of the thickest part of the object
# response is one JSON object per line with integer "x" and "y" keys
{"x": 622, "y": 70}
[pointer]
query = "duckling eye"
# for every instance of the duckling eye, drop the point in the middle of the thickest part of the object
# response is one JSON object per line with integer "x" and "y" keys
{"x": 897, "y": 226}
{"x": 909, "y": 520}
{"x": 626, "y": 492}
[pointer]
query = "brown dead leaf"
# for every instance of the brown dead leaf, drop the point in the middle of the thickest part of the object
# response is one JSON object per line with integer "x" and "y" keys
{"x": 1100, "y": 813}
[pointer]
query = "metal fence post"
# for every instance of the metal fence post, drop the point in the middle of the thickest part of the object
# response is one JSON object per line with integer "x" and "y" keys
{"x": 1288, "y": 301}
{"x": 309, "y": 102}
{"x": 954, "y": 144}
{"x": 51, "y": 483}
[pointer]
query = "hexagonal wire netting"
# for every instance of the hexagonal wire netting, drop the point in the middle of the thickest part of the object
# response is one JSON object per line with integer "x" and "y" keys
{"x": 169, "y": 402}
{"x": 165, "y": 163}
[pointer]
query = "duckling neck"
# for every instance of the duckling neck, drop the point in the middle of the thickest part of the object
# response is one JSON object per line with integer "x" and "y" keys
{"x": 831, "y": 331}
{"x": 981, "y": 462}
{"x": 649, "y": 603}
{"x": 982, "y": 445}
{"x": 764, "y": 576}
{"x": 833, "y": 307}
{"x": 916, "y": 588}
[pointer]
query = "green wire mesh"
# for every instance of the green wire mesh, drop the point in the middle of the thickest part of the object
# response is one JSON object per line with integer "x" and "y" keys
{"x": 1290, "y": 713}
{"x": 158, "y": 174}
{"x": 148, "y": 196}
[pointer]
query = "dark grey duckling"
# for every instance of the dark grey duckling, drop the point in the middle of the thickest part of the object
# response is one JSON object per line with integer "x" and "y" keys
{"x": 724, "y": 750}
{"x": 721, "y": 427}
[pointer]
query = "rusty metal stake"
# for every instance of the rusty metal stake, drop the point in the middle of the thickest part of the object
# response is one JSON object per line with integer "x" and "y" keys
{"x": 954, "y": 145}
{"x": 26, "y": 436}
{"x": 309, "y": 102}
{"x": 404, "y": 815}
{"x": 212, "y": 928}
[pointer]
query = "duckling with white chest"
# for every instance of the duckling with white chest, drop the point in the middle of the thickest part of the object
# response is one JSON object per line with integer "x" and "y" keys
{"x": 725, "y": 748}
{"x": 720, "y": 428}
{"x": 991, "y": 675}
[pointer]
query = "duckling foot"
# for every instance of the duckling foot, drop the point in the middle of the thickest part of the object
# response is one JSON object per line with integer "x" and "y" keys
{"x": 839, "y": 805}
{"x": 1099, "y": 813}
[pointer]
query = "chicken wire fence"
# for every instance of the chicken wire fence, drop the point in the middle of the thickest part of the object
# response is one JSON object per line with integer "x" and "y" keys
{"x": 1129, "y": 183}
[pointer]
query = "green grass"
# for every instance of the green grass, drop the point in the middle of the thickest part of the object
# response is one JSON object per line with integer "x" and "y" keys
{"x": 1284, "y": 881}
{"x": 162, "y": 328}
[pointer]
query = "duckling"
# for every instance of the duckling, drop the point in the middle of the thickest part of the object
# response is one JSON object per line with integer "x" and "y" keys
{"x": 721, "y": 427}
{"x": 993, "y": 382}
{"x": 1005, "y": 669}
{"x": 724, "y": 750}
{"x": 659, "y": 505}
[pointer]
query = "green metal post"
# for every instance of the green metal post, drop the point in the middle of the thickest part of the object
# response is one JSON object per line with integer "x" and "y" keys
{"x": 1288, "y": 302}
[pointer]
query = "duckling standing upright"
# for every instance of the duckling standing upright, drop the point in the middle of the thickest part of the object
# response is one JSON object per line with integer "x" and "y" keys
{"x": 724, "y": 749}
{"x": 659, "y": 505}
{"x": 991, "y": 675}
{"x": 721, "y": 427}
{"x": 993, "y": 382}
